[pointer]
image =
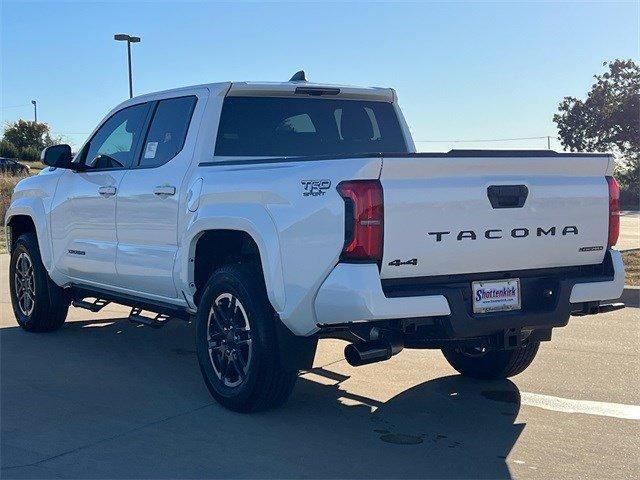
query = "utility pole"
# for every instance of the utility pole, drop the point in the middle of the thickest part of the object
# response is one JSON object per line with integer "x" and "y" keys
{"x": 35, "y": 111}
{"x": 123, "y": 37}
{"x": 548, "y": 142}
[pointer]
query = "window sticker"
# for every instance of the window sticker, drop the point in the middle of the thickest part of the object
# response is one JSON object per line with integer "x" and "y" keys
{"x": 151, "y": 149}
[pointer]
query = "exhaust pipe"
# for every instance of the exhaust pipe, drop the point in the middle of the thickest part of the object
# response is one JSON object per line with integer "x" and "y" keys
{"x": 364, "y": 353}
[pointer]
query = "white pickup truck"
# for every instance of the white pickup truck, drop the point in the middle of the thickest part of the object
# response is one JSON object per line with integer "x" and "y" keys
{"x": 280, "y": 213}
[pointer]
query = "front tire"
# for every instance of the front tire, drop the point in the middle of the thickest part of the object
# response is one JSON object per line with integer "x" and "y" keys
{"x": 38, "y": 304}
{"x": 493, "y": 364}
{"x": 237, "y": 345}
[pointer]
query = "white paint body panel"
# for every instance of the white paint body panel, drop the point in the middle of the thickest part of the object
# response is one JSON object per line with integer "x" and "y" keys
{"x": 353, "y": 293}
{"x": 423, "y": 195}
{"x": 82, "y": 220}
{"x": 141, "y": 245}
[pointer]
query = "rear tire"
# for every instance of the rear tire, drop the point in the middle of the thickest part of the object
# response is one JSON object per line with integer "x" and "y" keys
{"x": 38, "y": 304}
{"x": 237, "y": 345}
{"x": 494, "y": 364}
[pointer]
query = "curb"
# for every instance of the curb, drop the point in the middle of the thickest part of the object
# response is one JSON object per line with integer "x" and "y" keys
{"x": 630, "y": 296}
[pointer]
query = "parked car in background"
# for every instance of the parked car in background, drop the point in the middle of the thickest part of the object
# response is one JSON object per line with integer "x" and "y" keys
{"x": 13, "y": 167}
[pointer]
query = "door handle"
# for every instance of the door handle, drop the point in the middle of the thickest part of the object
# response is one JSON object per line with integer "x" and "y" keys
{"x": 507, "y": 196}
{"x": 107, "y": 191}
{"x": 164, "y": 190}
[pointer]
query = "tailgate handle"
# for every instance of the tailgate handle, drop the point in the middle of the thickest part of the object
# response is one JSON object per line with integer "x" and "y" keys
{"x": 507, "y": 196}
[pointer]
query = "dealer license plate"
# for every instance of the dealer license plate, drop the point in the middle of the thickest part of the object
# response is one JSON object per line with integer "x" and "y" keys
{"x": 496, "y": 295}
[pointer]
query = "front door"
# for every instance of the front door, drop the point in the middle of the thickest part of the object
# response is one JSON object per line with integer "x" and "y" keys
{"x": 149, "y": 200}
{"x": 83, "y": 214}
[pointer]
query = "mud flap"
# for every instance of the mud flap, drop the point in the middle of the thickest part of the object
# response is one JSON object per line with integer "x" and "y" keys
{"x": 294, "y": 351}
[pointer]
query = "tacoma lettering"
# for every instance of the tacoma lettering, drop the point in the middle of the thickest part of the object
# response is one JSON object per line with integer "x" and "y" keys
{"x": 497, "y": 233}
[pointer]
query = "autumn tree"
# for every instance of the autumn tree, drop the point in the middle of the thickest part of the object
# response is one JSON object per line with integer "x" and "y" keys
{"x": 608, "y": 120}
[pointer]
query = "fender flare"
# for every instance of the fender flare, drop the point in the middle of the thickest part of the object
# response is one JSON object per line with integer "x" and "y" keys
{"x": 34, "y": 209}
{"x": 252, "y": 219}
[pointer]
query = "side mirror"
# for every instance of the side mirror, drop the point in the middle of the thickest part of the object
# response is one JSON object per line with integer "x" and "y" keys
{"x": 58, "y": 156}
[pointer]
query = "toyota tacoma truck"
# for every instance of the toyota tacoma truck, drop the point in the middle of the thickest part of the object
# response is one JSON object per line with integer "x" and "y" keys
{"x": 276, "y": 214}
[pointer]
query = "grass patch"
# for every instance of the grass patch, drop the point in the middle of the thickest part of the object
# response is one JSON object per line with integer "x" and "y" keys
{"x": 7, "y": 183}
{"x": 632, "y": 267}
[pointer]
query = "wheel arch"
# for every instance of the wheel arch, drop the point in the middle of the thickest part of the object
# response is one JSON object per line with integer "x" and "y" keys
{"x": 23, "y": 217}
{"x": 214, "y": 240}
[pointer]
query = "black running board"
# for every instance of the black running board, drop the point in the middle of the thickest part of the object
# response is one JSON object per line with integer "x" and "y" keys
{"x": 80, "y": 292}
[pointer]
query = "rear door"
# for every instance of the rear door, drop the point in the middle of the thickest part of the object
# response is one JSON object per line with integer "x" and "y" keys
{"x": 447, "y": 214}
{"x": 151, "y": 194}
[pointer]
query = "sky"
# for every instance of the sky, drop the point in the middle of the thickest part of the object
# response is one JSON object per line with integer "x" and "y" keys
{"x": 462, "y": 70}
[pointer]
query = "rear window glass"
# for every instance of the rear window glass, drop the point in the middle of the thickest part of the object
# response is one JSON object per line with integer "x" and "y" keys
{"x": 282, "y": 127}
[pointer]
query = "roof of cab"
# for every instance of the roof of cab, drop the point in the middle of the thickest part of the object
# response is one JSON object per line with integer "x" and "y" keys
{"x": 283, "y": 89}
{"x": 308, "y": 89}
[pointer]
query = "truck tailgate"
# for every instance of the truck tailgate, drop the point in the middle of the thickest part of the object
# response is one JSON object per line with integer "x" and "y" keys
{"x": 446, "y": 215}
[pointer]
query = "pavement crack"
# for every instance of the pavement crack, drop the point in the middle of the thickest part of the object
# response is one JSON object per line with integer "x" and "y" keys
{"x": 107, "y": 439}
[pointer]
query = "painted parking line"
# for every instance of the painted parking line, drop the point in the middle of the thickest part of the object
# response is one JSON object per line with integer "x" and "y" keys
{"x": 567, "y": 405}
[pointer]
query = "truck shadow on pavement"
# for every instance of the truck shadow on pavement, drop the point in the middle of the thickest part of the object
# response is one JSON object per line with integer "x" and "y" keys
{"x": 109, "y": 399}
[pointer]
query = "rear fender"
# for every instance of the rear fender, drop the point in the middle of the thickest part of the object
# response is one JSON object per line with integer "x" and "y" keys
{"x": 250, "y": 218}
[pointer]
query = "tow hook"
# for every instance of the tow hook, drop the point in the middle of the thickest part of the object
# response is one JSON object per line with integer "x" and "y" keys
{"x": 382, "y": 348}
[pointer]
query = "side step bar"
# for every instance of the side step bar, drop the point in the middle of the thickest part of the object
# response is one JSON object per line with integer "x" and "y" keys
{"x": 95, "y": 306}
{"x": 159, "y": 321}
{"x": 162, "y": 311}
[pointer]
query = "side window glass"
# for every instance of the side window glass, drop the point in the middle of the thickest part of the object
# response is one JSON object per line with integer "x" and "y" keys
{"x": 114, "y": 144}
{"x": 168, "y": 131}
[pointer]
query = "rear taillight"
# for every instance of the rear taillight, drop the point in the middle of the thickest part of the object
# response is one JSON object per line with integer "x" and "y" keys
{"x": 364, "y": 220}
{"x": 614, "y": 211}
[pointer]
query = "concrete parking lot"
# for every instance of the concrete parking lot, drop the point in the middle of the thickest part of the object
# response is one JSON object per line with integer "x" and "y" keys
{"x": 629, "y": 231}
{"x": 106, "y": 398}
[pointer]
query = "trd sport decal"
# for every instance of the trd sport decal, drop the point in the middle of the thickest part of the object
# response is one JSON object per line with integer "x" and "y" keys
{"x": 314, "y": 188}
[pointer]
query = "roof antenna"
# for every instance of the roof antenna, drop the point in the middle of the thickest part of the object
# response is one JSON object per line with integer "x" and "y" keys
{"x": 298, "y": 77}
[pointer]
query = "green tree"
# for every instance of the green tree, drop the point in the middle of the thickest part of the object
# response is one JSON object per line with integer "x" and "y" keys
{"x": 29, "y": 154}
{"x": 27, "y": 134}
{"x": 8, "y": 150}
{"x": 607, "y": 120}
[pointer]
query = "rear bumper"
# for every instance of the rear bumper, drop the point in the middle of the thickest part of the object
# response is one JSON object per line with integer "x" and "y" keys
{"x": 606, "y": 290}
{"x": 354, "y": 293}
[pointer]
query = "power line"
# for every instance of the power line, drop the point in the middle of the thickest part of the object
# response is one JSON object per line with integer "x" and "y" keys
{"x": 483, "y": 140}
{"x": 14, "y": 106}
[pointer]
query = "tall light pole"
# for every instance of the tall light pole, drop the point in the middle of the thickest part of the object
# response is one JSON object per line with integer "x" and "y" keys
{"x": 35, "y": 111}
{"x": 123, "y": 37}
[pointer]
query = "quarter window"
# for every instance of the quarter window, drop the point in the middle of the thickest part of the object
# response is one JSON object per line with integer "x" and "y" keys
{"x": 168, "y": 130}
